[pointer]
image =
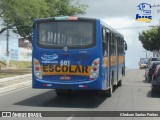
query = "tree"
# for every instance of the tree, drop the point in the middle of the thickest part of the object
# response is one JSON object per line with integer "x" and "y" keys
{"x": 20, "y": 14}
{"x": 3, "y": 8}
{"x": 150, "y": 39}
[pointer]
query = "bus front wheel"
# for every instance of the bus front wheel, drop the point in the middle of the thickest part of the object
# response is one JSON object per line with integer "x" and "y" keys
{"x": 110, "y": 91}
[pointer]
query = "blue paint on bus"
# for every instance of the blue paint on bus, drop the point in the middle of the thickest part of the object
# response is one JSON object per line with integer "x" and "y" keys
{"x": 74, "y": 58}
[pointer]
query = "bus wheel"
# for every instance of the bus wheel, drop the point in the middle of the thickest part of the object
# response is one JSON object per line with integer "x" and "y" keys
{"x": 110, "y": 91}
{"x": 120, "y": 83}
{"x": 106, "y": 93}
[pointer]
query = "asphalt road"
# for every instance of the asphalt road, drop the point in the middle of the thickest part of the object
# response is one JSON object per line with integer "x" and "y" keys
{"x": 133, "y": 95}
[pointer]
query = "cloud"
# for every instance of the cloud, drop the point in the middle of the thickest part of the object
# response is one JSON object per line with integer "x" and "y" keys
{"x": 112, "y": 8}
{"x": 129, "y": 28}
{"x": 121, "y": 15}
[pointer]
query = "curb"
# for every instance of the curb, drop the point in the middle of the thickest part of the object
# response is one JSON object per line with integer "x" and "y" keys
{"x": 15, "y": 77}
{"x": 15, "y": 87}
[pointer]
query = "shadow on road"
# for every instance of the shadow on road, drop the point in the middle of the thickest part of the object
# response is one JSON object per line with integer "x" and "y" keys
{"x": 149, "y": 95}
{"x": 79, "y": 100}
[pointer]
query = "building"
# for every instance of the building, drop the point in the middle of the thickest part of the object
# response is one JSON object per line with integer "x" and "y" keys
{"x": 19, "y": 50}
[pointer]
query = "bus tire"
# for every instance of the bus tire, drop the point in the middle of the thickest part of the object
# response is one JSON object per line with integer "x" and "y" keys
{"x": 120, "y": 83}
{"x": 110, "y": 91}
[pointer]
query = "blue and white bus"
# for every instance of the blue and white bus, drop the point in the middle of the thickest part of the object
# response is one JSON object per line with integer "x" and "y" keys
{"x": 76, "y": 53}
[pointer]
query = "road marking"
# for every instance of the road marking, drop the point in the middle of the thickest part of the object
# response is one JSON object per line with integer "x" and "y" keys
{"x": 10, "y": 87}
{"x": 14, "y": 91}
{"x": 15, "y": 77}
{"x": 70, "y": 117}
{"x": 13, "y": 88}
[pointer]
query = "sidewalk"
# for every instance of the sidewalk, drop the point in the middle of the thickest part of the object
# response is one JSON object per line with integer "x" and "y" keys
{"x": 15, "y": 77}
{"x": 13, "y": 83}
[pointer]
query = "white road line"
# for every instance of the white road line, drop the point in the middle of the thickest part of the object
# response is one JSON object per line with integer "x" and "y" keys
{"x": 14, "y": 90}
{"x": 70, "y": 117}
{"x": 15, "y": 77}
{"x": 14, "y": 86}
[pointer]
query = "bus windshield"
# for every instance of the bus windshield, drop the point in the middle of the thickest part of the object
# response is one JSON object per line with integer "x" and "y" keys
{"x": 60, "y": 34}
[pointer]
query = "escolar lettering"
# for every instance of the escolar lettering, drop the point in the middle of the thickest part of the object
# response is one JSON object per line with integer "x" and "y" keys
{"x": 65, "y": 69}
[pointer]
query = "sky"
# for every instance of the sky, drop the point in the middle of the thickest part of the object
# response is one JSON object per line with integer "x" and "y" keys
{"x": 120, "y": 15}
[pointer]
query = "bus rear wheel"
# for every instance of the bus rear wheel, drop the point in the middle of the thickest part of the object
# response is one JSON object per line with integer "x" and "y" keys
{"x": 120, "y": 83}
{"x": 110, "y": 91}
{"x": 107, "y": 93}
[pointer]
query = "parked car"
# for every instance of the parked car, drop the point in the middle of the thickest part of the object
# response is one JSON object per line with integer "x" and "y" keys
{"x": 156, "y": 72}
{"x": 143, "y": 63}
{"x": 151, "y": 60}
{"x": 150, "y": 70}
{"x": 155, "y": 86}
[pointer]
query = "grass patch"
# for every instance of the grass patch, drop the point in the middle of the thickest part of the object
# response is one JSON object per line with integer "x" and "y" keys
{"x": 4, "y": 73}
{"x": 19, "y": 64}
{"x": 16, "y": 68}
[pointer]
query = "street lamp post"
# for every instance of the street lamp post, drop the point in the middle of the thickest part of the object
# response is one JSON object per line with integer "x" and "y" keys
{"x": 7, "y": 48}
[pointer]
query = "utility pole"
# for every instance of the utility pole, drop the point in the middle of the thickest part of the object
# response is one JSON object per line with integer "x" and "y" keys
{"x": 7, "y": 48}
{"x": 146, "y": 53}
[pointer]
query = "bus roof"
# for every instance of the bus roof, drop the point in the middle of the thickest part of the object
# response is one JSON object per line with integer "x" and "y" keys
{"x": 81, "y": 18}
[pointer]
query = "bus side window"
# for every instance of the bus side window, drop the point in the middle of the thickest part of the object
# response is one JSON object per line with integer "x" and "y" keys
{"x": 120, "y": 46}
{"x": 107, "y": 40}
{"x": 104, "y": 41}
{"x": 113, "y": 44}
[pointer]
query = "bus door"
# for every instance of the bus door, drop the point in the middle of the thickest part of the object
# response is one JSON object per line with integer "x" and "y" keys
{"x": 105, "y": 42}
{"x": 117, "y": 59}
{"x": 113, "y": 58}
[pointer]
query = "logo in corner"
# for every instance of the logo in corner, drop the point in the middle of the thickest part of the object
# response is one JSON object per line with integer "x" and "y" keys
{"x": 49, "y": 57}
{"x": 145, "y": 15}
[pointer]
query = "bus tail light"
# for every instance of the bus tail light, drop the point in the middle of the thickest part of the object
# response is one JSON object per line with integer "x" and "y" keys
{"x": 95, "y": 69}
{"x": 37, "y": 69}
